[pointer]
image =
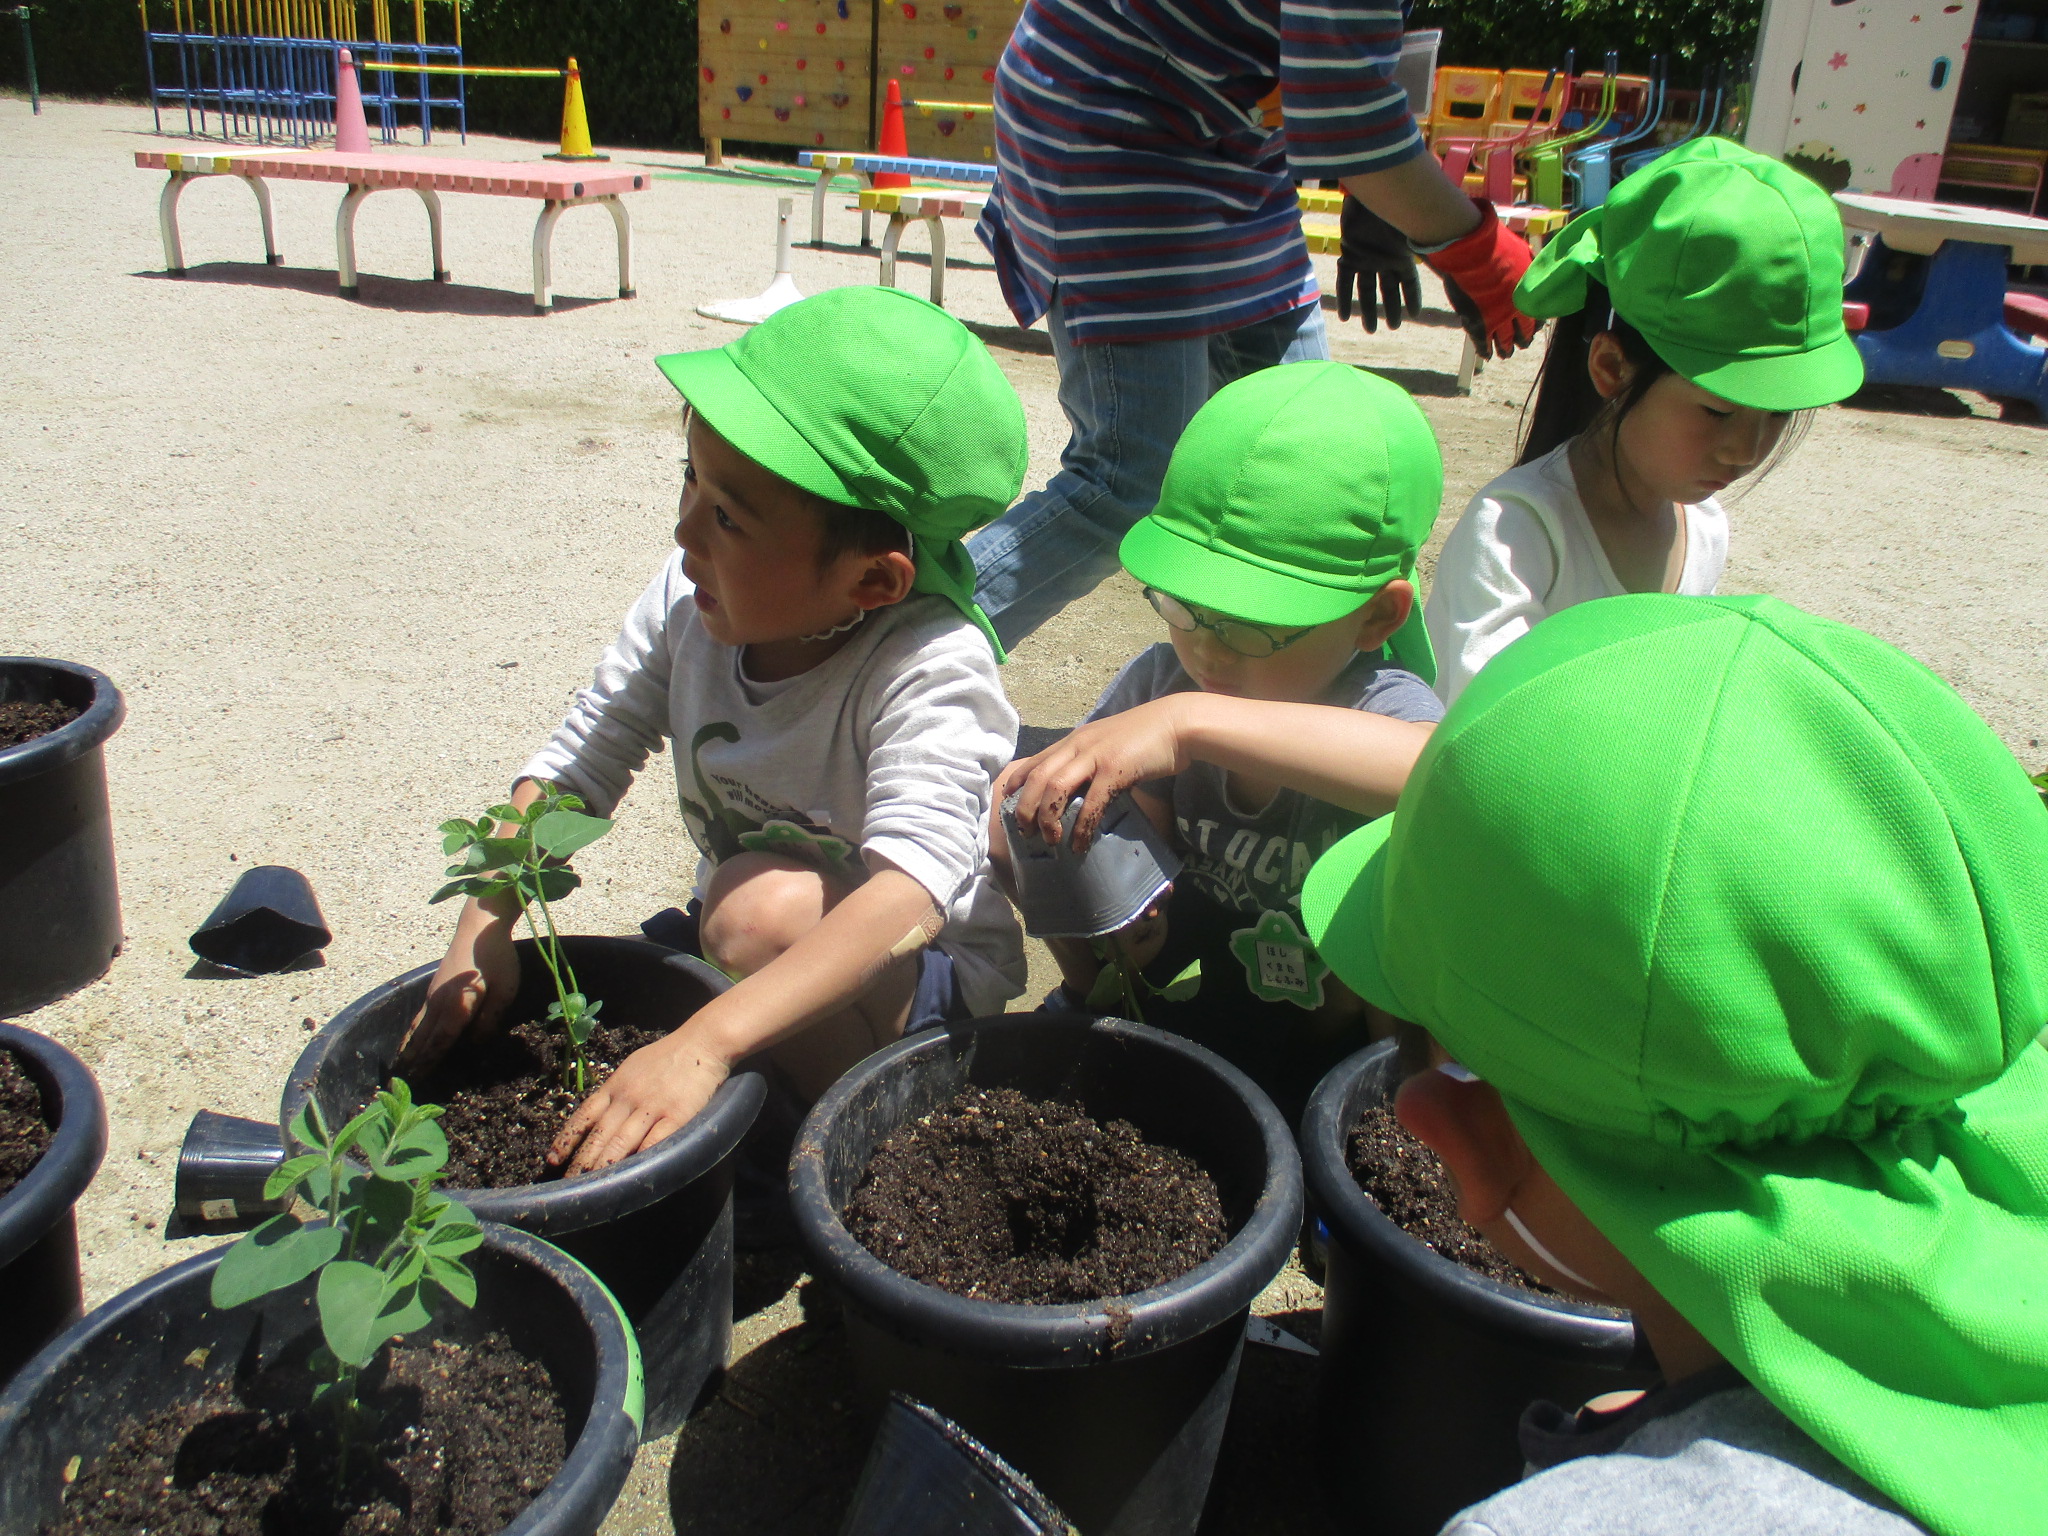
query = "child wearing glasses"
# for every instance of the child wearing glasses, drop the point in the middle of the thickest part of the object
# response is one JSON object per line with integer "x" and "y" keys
{"x": 1285, "y": 710}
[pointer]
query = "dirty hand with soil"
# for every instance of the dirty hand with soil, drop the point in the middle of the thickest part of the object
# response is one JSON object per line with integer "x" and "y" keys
{"x": 826, "y": 976}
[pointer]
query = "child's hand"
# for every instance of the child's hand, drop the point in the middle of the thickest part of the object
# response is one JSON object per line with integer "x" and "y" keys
{"x": 1107, "y": 756}
{"x": 656, "y": 1091}
{"x": 467, "y": 999}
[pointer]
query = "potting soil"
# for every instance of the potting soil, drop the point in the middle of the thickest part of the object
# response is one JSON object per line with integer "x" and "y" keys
{"x": 25, "y": 719}
{"x": 24, "y": 1137}
{"x": 1410, "y": 1185}
{"x": 504, "y": 1102}
{"x": 455, "y": 1440}
{"x": 1006, "y": 1198}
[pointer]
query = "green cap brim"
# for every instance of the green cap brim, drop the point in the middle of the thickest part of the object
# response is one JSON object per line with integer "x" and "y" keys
{"x": 738, "y": 412}
{"x": 1228, "y": 583}
{"x": 1797, "y": 381}
{"x": 1341, "y": 906}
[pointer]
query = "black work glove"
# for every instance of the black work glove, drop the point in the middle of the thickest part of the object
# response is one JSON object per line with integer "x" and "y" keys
{"x": 1374, "y": 249}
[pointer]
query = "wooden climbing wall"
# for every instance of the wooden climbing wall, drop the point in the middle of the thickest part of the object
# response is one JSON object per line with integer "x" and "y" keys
{"x": 944, "y": 58}
{"x": 799, "y": 71}
{"x": 785, "y": 71}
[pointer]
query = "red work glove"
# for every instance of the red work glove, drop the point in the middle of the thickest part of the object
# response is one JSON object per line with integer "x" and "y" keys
{"x": 1485, "y": 265}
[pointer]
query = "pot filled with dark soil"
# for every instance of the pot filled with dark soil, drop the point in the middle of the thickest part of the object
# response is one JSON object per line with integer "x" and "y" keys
{"x": 60, "y": 913}
{"x": 53, "y": 1133}
{"x": 656, "y": 1227}
{"x": 161, "y": 1412}
{"x": 1433, "y": 1342}
{"x": 1050, "y": 1229}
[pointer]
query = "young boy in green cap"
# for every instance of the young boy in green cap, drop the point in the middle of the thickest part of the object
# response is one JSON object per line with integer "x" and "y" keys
{"x": 1284, "y": 710}
{"x": 1697, "y": 309}
{"x": 813, "y": 650}
{"x": 1726, "y": 929}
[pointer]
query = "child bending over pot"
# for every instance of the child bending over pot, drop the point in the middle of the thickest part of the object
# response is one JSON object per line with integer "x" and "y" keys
{"x": 813, "y": 649}
{"x": 1283, "y": 711}
{"x": 1721, "y": 932}
{"x": 1698, "y": 309}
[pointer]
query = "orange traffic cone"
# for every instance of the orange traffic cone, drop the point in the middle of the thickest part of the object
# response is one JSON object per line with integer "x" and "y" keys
{"x": 893, "y": 142}
{"x": 351, "y": 132}
{"x": 575, "y": 126}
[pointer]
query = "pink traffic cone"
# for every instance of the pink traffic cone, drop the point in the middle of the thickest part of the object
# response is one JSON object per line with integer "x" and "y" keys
{"x": 351, "y": 131}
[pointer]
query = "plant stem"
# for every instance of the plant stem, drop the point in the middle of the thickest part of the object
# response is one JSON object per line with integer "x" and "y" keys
{"x": 1120, "y": 954}
{"x": 557, "y": 963}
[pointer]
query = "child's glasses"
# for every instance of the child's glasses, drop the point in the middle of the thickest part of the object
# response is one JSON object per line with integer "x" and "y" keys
{"x": 1253, "y": 641}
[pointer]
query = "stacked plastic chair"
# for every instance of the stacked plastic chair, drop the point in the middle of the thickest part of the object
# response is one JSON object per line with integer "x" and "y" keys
{"x": 1547, "y": 160}
{"x": 1590, "y": 172}
{"x": 1706, "y": 114}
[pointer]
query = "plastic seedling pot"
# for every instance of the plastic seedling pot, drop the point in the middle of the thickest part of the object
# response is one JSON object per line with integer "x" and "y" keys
{"x": 926, "y": 1476}
{"x": 38, "y": 1229}
{"x": 1063, "y": 894}
{"x": 1114, "y": 1409}
{"x": 163, "y": 1342}
{"x": 655, "y": 1227}
{"x": 223, "y": 1166}
{"x": 267, "y": 920}
{"x": 1426, "y": 1365}
{"x": 60, "y": 912}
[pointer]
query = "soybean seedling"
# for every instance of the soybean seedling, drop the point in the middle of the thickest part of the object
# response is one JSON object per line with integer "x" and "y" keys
{"x": 525, "y": 855}
{"x": 1120, "y": 981}
{"x": 387, "y": 1245}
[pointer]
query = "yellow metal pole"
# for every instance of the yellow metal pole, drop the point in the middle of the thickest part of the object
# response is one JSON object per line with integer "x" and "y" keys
{"x": 419, "y": 21}
{"x": 458, "y": 23}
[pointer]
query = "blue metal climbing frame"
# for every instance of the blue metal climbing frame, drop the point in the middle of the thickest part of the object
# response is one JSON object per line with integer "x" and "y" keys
{"x": 280, "y": 90}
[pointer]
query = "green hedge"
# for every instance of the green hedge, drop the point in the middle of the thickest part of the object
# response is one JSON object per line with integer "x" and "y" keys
{"x": 1533, "y": 34}
{"x": 638, "y": 57}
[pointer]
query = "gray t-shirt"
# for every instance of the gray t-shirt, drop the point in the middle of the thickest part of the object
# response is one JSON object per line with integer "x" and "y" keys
{"x": 1250, "y": 861}
{"x": 1710, "y": 1456}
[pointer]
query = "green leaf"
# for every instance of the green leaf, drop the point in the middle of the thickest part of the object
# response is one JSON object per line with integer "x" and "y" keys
{"x": 351, "y": 1300}
{"x": 456, "y": 827}
{"x": 1108, "y": 990}
{"x": 497, "y": 853}
{"x": 422, "y": 1150}
{"x": 279, "y": 1253}
{"x": 308, "y": 1128}
{"x": 454, "y": 1239}
{"x": 507, "y": 812}
{"x": 1183, "y": 986}
{"x": 289, "y": 1173}
{"x": 351, "y": 1133}
{"x": 556, "y": 881}
{"x": 452, "y": 1277}
{"x": 409, "y": 1269}
{"x": 560, "y": 834}
{"x": 317, "y": 1186}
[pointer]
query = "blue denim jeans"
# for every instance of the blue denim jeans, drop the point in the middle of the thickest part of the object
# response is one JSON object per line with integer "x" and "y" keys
{"x": 1126, "y": 405}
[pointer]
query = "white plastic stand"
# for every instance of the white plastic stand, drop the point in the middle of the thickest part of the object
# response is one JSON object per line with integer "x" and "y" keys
{"x": 779, "y": 294}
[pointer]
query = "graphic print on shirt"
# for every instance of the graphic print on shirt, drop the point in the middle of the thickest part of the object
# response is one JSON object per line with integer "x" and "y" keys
{"x": 720, "y": 831}
{"x": 1251, "y": 869}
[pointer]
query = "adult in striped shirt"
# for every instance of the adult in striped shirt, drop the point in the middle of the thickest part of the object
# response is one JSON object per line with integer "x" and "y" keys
{"x": 1145, "y": 212}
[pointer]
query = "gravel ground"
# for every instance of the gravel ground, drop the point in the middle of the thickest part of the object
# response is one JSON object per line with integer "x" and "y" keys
{"x": 348, "y": 560}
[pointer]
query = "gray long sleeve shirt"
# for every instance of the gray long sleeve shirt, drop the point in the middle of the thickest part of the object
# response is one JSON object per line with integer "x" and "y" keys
{"x": 888, "y": 747}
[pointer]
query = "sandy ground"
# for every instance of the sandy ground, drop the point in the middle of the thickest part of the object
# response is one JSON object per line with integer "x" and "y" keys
{"x": 348, "y": 560}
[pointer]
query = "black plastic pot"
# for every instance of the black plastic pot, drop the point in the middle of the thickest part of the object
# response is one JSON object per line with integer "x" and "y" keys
{"x": 1426, "y": 1365}
{"x": 60, "y": 912}
{"x": 655, "y": 1227}
{"x": 926, "y": 1476}
{"x": 268, "y": 919}
{"x": 163, "y": 1342}
{"x": 1113, "y": 1409}
{"x": 223, "y": 1166}
{"x": 39, "y": 1283}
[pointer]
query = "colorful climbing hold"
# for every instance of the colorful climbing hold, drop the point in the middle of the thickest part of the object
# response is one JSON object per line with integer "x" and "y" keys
{"x": 782, "y": 26}
{"x": 910, "y": 13}
{"x": 840, "y": 98}
{"x": 945, "y": 127}
{"x": 781, "y": 114}
{"x": 726, "y": 113}
{"x": 842, "y": 10}
{"x": 821, "y": 29}
{"x": 709, "y": 76}
{"x": 949, "y": 71}
{"x": 973, "y": 33}
{"x": 802, "y": 63}
{"x": 840, "y": 65}
{"x": 910, "y": 69}
{"x": 928, "y": 52}
{"x": 801, "y": 100}
{"x": 817, "y": 138}
{"x": 952, "y": 12}
{"x": 726, "y": 25}
{"x": 744, "y": 92}
{"x": 762, "y": 78}
{"x": 988, "y": 77}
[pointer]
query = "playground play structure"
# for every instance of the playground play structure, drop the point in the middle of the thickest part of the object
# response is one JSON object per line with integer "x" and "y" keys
{"x": 351, "y": 164}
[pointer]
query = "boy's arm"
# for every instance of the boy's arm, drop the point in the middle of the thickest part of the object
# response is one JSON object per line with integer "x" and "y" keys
{"x": 661, "y": 1087}
{"x": 1347, "y": 757}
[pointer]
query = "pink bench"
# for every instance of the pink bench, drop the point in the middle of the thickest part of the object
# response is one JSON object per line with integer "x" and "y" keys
{"x": 558, "y": 187}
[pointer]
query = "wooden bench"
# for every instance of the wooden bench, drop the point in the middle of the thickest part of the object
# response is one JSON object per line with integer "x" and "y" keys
{"x": 558, "y": 188}
{"x": 933, "y": 208}
{"x": 865, "y": 168}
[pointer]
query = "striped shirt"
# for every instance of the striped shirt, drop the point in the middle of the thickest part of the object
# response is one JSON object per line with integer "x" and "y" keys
{"x": 1133, "y": 172}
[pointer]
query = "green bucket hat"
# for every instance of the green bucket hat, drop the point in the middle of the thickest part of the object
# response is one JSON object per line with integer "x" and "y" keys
{"x": 1293, "y": 496}
{"x": 1729, "y": 263}
{"x": 877, "y": 399}
{"x": 1745, "y": 916}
